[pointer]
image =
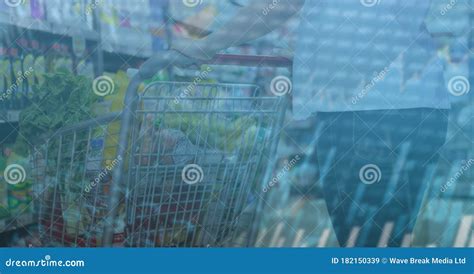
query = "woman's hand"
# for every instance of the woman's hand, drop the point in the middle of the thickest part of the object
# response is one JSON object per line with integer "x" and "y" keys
{"x": 184, "y": 53}
{"x": 165, "y": 60}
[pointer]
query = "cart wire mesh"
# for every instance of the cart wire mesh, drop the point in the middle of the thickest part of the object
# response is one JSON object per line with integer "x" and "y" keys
{"x": 194, "y": 153}
{"x": 195, "y": 161}
{"x": 72, "y": 182}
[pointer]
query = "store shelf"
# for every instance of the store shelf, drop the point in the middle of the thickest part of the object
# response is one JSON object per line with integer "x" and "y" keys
{"x": 12, "y": 116}
{"x": 131, "y": 52}
{"x": 39, "y": 25}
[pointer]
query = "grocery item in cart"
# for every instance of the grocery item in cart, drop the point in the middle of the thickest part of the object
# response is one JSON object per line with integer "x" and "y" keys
{"x": 66, "y": 99}
{"x": 153, "y": 142}
{"x": 222, "y": 133}
{"x": 175, "y": 147}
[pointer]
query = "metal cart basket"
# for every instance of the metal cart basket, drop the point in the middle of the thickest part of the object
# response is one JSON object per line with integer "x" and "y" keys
{"x": 176, "y": 168}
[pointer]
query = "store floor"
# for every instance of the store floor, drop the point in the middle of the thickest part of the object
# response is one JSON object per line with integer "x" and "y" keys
{"x": 304, "y": 222}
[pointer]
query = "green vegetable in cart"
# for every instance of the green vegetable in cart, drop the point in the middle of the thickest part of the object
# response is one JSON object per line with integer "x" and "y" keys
{"x": 63, "y": 99}
{"x": 213, "y": 132}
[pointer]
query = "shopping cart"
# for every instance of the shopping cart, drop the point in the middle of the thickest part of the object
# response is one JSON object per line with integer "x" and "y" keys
{"x": 176, "y": 168}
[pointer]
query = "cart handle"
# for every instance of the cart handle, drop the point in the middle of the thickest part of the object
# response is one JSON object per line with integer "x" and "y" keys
{"x": 251, "y": 60}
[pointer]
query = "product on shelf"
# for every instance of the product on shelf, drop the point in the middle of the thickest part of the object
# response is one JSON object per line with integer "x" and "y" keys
{"x": 39, "y": 63}
{"x": 28, "y": 60}
{"x": 4, "y": 211}
{"x": 4, "y": 77}
{"x": 15, "y": 77}
{"x": 38, "y": 9}
{"x": 19, "y": 195}
{"x": 125, "y": 19}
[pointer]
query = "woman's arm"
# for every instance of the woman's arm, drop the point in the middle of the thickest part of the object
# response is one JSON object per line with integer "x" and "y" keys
{"x": 251, "y": 22}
